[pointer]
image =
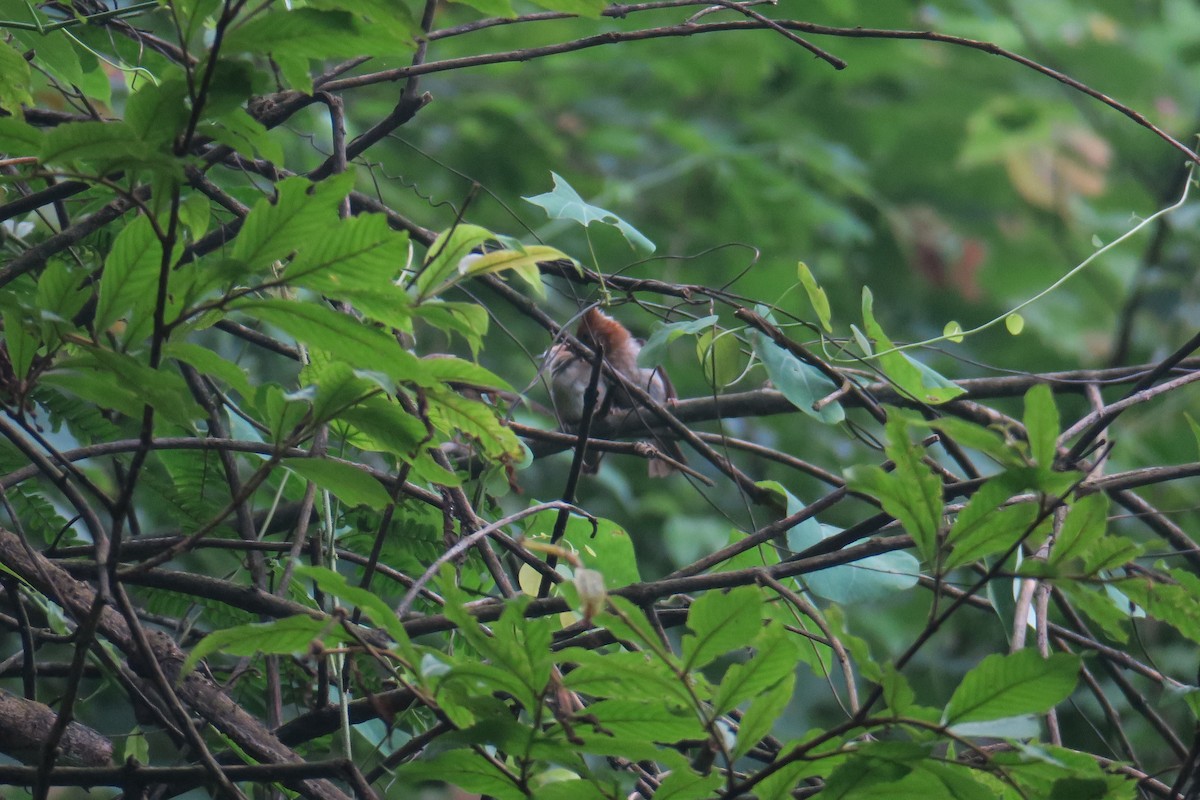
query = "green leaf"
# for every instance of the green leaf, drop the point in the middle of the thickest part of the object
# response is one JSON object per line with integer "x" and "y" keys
{"x": 20, "y": 138}
{"x": 391, "y": 428}
{"x": 1177, "y": 604}
{"x": 357, "y": 344}
{"x": 451, "y": 412}
{"x": 1015, "y": 323}
{"x": 720, "y": 622}
{"x": 773, "y": 660}
{"x": 1195, "y": 429}
{"x": 351, "y": 485}
{"x": 1041, "y": 424}
{"x": 157, "y": 111}
{"x": 720, "y": 355}
{"x": 301, "y": 212}
{"x": 20, "y": 344}
{"x": 608, "y": 550}
{"x": 371, "y": 603}
{"x": 465, "y": 769}
{"x": 802, "y": 384}
{"x": 165, "y": 391}
{"x": 209, "y": 363}
{"x": 622, "y": 674}
{"x": 909, "y": 375}
{"x": 491, "y": 8}
{"x": 237, "y": 129}
{"x": 911, "y": 492}
{"x": 99, "y": 142}
{"x": 644, "y": 720}
{"x": 954, "y": 332}
{"x": 563, "y": 202}
{"x": 654, "y": 351}
{"x": 524, "y": 262}
{"x": 1086, "y": 522}
{"x": 984, "y": 527}
{"x": 131, "y": 273}
{"x": 359, "y": 253}
{"x": 14, "y": 80}
{"x": 629, "y": 623}
{"x": 873, "y": 764}
{"x": 445, "y": 258}
{"x": 816, "y": 296}
{"x": 307, "y": 33}
{"x": 394, "y": 18}
{"x": 760, "y": 717}
{"x": 287, "y": 636}
{"x": 684, "y": 784}
{"x": 1010, "y": 685}
{"x": 863, "y": 581}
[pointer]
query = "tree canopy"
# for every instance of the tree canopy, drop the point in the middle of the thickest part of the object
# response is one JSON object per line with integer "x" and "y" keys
{"x": 288, "y": 505}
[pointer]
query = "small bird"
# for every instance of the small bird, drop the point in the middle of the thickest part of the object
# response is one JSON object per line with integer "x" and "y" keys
{"x": 570, "y": 373}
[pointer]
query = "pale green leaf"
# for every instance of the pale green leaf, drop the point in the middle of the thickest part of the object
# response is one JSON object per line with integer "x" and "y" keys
{"x": 1004, "y": 686}
{"x": 351, "y": 485}
{"x": 563, "y": 202}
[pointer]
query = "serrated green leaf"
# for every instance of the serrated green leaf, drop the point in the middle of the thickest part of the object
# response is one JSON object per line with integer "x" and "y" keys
{"x": 359, "y": 253}
{"x": 563, "y": 202}
{"x": 131, "y": 273}
{"x": 237, "y": 129}
{"x": 451, "y": 412}
{"x": 300, "y": 213}
{"x": 14, "y": 79}
{"x": 1041, "y": 424}
{"x": 20, "y": 344}
{"x": 911, "y": 492}
{"x": 802, "y": 384}
{"x": 351, "y": 485}
{"x": 287, "y": 636}
{"x": 309, "y": 33}
{"x": 622, "y": 674}
{"x": 773, "y": 660}
{"x": 1004, "y": 686}
{"x": 157, "y": 111}
{"x": 466, "y": 769}
{"x": 390, "y": 427}
{"x": 684, "y": 784}
{"x": 720, "y": 622}
{"x": 1085, "y": 524}
{"x": 373, "y": 606}
{"x": 645, "y": 720}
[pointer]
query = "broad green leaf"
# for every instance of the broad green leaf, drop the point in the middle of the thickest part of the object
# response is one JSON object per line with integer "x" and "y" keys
{"x": 237, "y": 129}
{"x": 352, "y": 486}
{"x": 985, "y": 527}
{"x": 301, "y": 212}
{"x": 767, "y": 707}
{"x": 720, "y": 354}
{"x": 104, "y": 145}
{"x": 645, "y": 720}
{"x": 909, "y": 375}
{"x": 450, "y": 369}
{"x": 451, "y": 412}
{"x": 897, "y": 694}
{"x": 977, "y": 437}
{"x": 20, "y": 344}
{"x": 466, "y": 769}
{"x": 322, "y": 328}
{"x": 524, "y": 262}
{"x": 287, "y": 636}
{"x": 654, "y": 351}
{"x": 1004, "y": 686}
{"x": 1023, "y": 726}
{"x": 394, "y": 18}
{"x": 165, "y": 391}
{"x": 873, "y": 764}
{"x": 1177, "y": 604}
{"x": 20, "y": 138}
{"x": 684, "y": 784}
{"x": 1086, "y": 522}
{"x": 158, "y": 111}
{"x": 563, "y": 202}
{"x": 622, "y": 674}
{"x": 802, "y": 384}
{"x": 14, "y": 79}
{"x": 773, "y": 660}
{"x": 609, "y": 550}
{"x": 911, "y": 492}
{"x": 1101, "y": 608}
{"x": 308, "y": 33}
{"x": 628, "y": 622}
{"x": 816, "y": 296}
{"x": 1041, "y": 424}
{"x": 131, "y": 273}
{"x": 863, "y": 581}
{"x": 362, "y": 252}
{"x": 720, "y": 622}
{"x": 446, "y": 256}
{"x": 391, "y": 428}
{"x": 209, "y": 363}
{"x": 469, "y": 320}
{"x": 194, "y": 213}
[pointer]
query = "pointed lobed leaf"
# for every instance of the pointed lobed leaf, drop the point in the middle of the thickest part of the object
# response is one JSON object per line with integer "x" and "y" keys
{"x": 563, "y": 202}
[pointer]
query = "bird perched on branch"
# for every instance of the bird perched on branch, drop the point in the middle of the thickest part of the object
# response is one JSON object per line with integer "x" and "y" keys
{"x": 570, "y": 373}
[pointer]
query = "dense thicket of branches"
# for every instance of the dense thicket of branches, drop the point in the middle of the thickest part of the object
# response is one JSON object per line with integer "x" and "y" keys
{"x": 287, "y": 508}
